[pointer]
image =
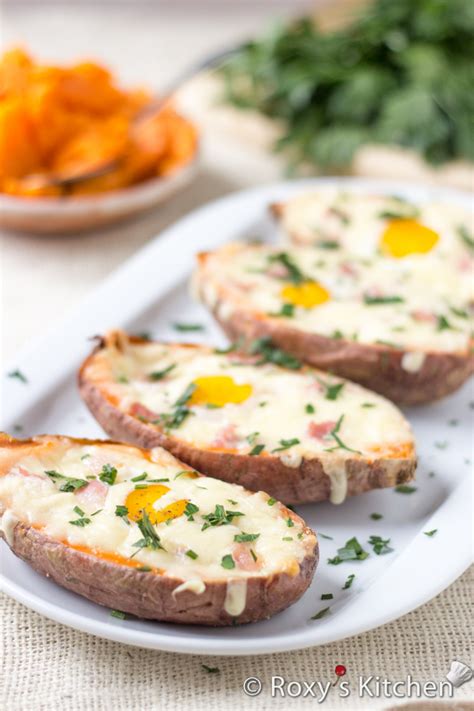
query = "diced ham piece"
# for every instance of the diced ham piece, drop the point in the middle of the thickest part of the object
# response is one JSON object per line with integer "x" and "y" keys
{"x": 425, "y": 316}
{"x": 279, "y": 271}
{"x": 243, "y": 558}
{"x": 93, "y": 495}
{"x": 348, "y": 269}
{"x": 26, "y": 473}
{"x": 226, "y": 437}
{"x": 320, "y": 430}
{"x": 139, "y": 410}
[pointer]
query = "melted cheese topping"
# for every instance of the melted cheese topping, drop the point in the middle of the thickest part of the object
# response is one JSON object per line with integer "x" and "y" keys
{"x": 29, "y": 494}
{"x": 290, "y": 415}
{"x": 365, "y": 223}
{"x": 419, "y": 302}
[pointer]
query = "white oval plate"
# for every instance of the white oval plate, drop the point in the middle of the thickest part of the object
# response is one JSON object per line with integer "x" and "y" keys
{"x": 385, "y": 587}
{"x": 56, "y": 215}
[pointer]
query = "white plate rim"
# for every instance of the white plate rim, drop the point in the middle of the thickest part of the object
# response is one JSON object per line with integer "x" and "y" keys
{"x": 327, "y": 630}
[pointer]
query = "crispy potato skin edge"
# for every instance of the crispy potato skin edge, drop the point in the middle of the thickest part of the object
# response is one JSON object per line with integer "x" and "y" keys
{"x": 149, "y": 595}
{"x": 376, "y": 367}
{"x": 307, "y": 483}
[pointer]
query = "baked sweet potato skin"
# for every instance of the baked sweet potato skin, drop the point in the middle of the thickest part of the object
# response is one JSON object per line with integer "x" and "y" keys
{"x": 151, "y": 596}
{"x": 377, "y": 367}
{"x": 293, "y": 485}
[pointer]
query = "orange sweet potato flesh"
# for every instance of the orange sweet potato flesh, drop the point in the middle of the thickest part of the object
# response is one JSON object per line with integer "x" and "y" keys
{"x": 60, "y": 122}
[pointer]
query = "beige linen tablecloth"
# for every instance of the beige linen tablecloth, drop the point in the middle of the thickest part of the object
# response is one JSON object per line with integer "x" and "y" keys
{"x": 48, "y": 666}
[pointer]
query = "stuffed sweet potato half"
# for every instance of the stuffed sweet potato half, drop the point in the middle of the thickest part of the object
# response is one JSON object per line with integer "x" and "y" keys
{"x": 300, "y": 435}
{"x": 401, "y": 327}
{"x": 137, "y": 531}
{"x": 369, "y": 224}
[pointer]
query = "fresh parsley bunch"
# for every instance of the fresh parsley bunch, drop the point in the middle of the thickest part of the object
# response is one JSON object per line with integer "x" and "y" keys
{"x": 400, "y": 74}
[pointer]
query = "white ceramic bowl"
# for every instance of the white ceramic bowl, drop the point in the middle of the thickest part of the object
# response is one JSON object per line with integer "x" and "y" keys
{"x": 46, "y": 215}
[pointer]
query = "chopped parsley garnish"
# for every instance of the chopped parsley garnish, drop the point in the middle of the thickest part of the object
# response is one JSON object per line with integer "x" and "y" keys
{"x": 272, "y": 354}
{"x": 231, "y": 501}
{"x": 368, "y": 404}
{"x": 108, "y": 474}
{"x": 327, "y": 244}
{"x": 246, "y": 537}
{"x": 430, "y": 534}
{"x": 294, "y": 274}
{"x": 96, "y": 512}
{"x": 253, "y": 554}
{"x": 309, "y": 409}
{"x": 190, "y": 510}
{"x": 286, "y": 444}
{"x": 287, "y": 311}
{"x": 331, "y": 390}
{"x": 160, "y": 374}
{"x": 271, "y": 501}
{"x": 219, "y": 517}
{"x": 380, "y": 300}
{"x": 122, "y": 379}
{"x": 466, "y": 237}
{"x": 18, "y": 375}
{"x": 339, "y": 442}
{"x": 349, "y": 581}
{"x": 144, "y": 569}
{"x": 180, "y": 412}
{"x": 256, "y": 450}
{"x": 287, "y": 538}
{"x": 327, "y": 596}
{"x": 70, "y": 484}
{"x": 376, "y": 516}
{"x": 144, "y": 336}
{"x": 118, "y": 614}
{"x": 337, "y": 334}
{"x": 351, "y": 551}
{"x": 121, "y": 511}
{"x": 460, "y": 313}
{"x": 79, "y": 511}
{"x": 228, "y": 562}
{"x": 191, "y": 554}
{"x": 251, "y": 438}
{"x": 81, "y": 522}
{"x": 340, "y": 213}
{"x": 140, "y": 477}
{"x": 184, "y": 327}
{"x": 211, "y": 670}
{"x": 141, "y": 486}
{"x": 176, "y": 476}
{"x": 321, "y": 613}
{"x": 323, "y": 535}
{"x": 443, "y": 324}
{"x": 290, "y": 523}
{"x": 380, "y": 545}
{"x": 405, "y": 489}
{"x": 150, "y": 537}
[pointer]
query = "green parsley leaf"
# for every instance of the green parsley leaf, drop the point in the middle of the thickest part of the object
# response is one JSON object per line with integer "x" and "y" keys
{"x": 286, "y": 444}
{"x": 321, "y": 613}
{"x": 271, "y": 501}
{"x": 255, "y": 451}
{"x": 191, "y": 554}
{"x": 108, "y": 474}
{"x": 294, "y": 274}
{"x": 380, "y": 545}
{"x": 118, "y": 614}
{"x": 351, "y": 551}
{"x": 331, "y": 390}
{"x": 227, "y": 562}
{"x": 310, "y": 409}
{"x": 160, "y": 374}
{"x": 382, "y": 300}
{"x": 431, "y": 533}
{"x": 340, "y": 444}
{"x": 70, "y": 484}
{"x": 121, "y": 511}
{"x": 246, "y": 537}
{"x": 376, "y": 516}
{"x": 286, "y": 311}
{"x": 190, "y": 510}
{"x": 405, "y": 489}
{"x": 466, "y": 237}
{"x": 186, "y": 327}
{"x": 271, "y": 354}
{"x": 81, "y": 522}
{"x": 140, "y": 477}
{"x": 18, "y": 375}
{"x": 323, "y": 535}
{"x": 327, "y": 596}
{"x": 349, "y": 581}
{"x": 219, "y": 517}
{"x": 211, "y": 670}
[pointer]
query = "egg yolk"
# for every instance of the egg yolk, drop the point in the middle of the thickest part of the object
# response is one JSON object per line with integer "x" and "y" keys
{"x": 140, "y": 500}
{"x": 307, "y": 294}
{"x": 219, "y": 390}
{"x": 404, "y": 237}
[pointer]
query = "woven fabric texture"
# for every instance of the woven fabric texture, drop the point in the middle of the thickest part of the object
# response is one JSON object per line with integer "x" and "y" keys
{"x": 46, "y": 666}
